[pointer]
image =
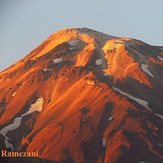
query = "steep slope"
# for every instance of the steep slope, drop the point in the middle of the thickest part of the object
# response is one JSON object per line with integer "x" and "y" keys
{"x": 84, "y": 96}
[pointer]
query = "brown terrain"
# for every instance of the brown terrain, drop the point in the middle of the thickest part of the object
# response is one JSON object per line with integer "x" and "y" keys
{"x": 83, "y": 96}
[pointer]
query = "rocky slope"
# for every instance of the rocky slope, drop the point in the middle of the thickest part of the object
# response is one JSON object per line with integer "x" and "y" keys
{"x": 83, "y": 96}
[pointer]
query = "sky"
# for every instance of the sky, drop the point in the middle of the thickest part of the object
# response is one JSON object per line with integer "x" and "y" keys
{"x": 24, "y": 24}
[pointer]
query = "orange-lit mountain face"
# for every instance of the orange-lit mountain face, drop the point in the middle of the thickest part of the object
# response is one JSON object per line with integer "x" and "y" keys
{"x": 83, "y": 96}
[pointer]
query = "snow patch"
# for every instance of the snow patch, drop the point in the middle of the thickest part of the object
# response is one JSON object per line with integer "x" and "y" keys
{"x": 8, "y": 144}
{"x": 144, "y": 67}
{"x": 161, "y": 116}
{"x": 58, "y": 60}
{"x": 103, "y": 142}
{"x": 22, "y": 84}
{"x": 160, "y": 58}
{"x": 73, "y": 42}
{"x": 99, "y": 62}
{"x": 105, "y": 74}
{"x": 72, "y": 48}
{"x": 12, "y": 126}
{"x": 37, "y": 106}
{"x": 45, "y": 70}
{"x": 13, "y": 94}
{"x": 139, "y": 101}
{"x": 110, "y": 118}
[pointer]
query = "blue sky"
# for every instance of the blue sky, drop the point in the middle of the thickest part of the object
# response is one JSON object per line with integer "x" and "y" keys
{"x": 24, "y": 24}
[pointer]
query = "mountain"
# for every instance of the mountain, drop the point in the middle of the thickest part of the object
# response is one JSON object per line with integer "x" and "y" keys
{"x": 83, "y": 96}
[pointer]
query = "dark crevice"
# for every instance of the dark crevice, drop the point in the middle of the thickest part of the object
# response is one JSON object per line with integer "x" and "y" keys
{"x": 94, "y": 149}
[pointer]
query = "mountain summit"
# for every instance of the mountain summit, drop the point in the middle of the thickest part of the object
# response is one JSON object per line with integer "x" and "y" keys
{"x": 83, "y": 96}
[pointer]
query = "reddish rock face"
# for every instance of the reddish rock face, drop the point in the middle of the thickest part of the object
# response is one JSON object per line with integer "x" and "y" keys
{"x": 83, "y": 96}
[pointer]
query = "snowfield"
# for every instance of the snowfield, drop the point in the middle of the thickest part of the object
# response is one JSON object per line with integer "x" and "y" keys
{"x": 161, "y": 116}
{"x": 160, "y": 58}
{"x": 37, "y": 106}
{"x": 139, "y": 101}
{"x": 144, "y": 67}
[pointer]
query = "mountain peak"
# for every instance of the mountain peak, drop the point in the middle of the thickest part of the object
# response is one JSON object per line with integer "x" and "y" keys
{"x": 85, "y": 96}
